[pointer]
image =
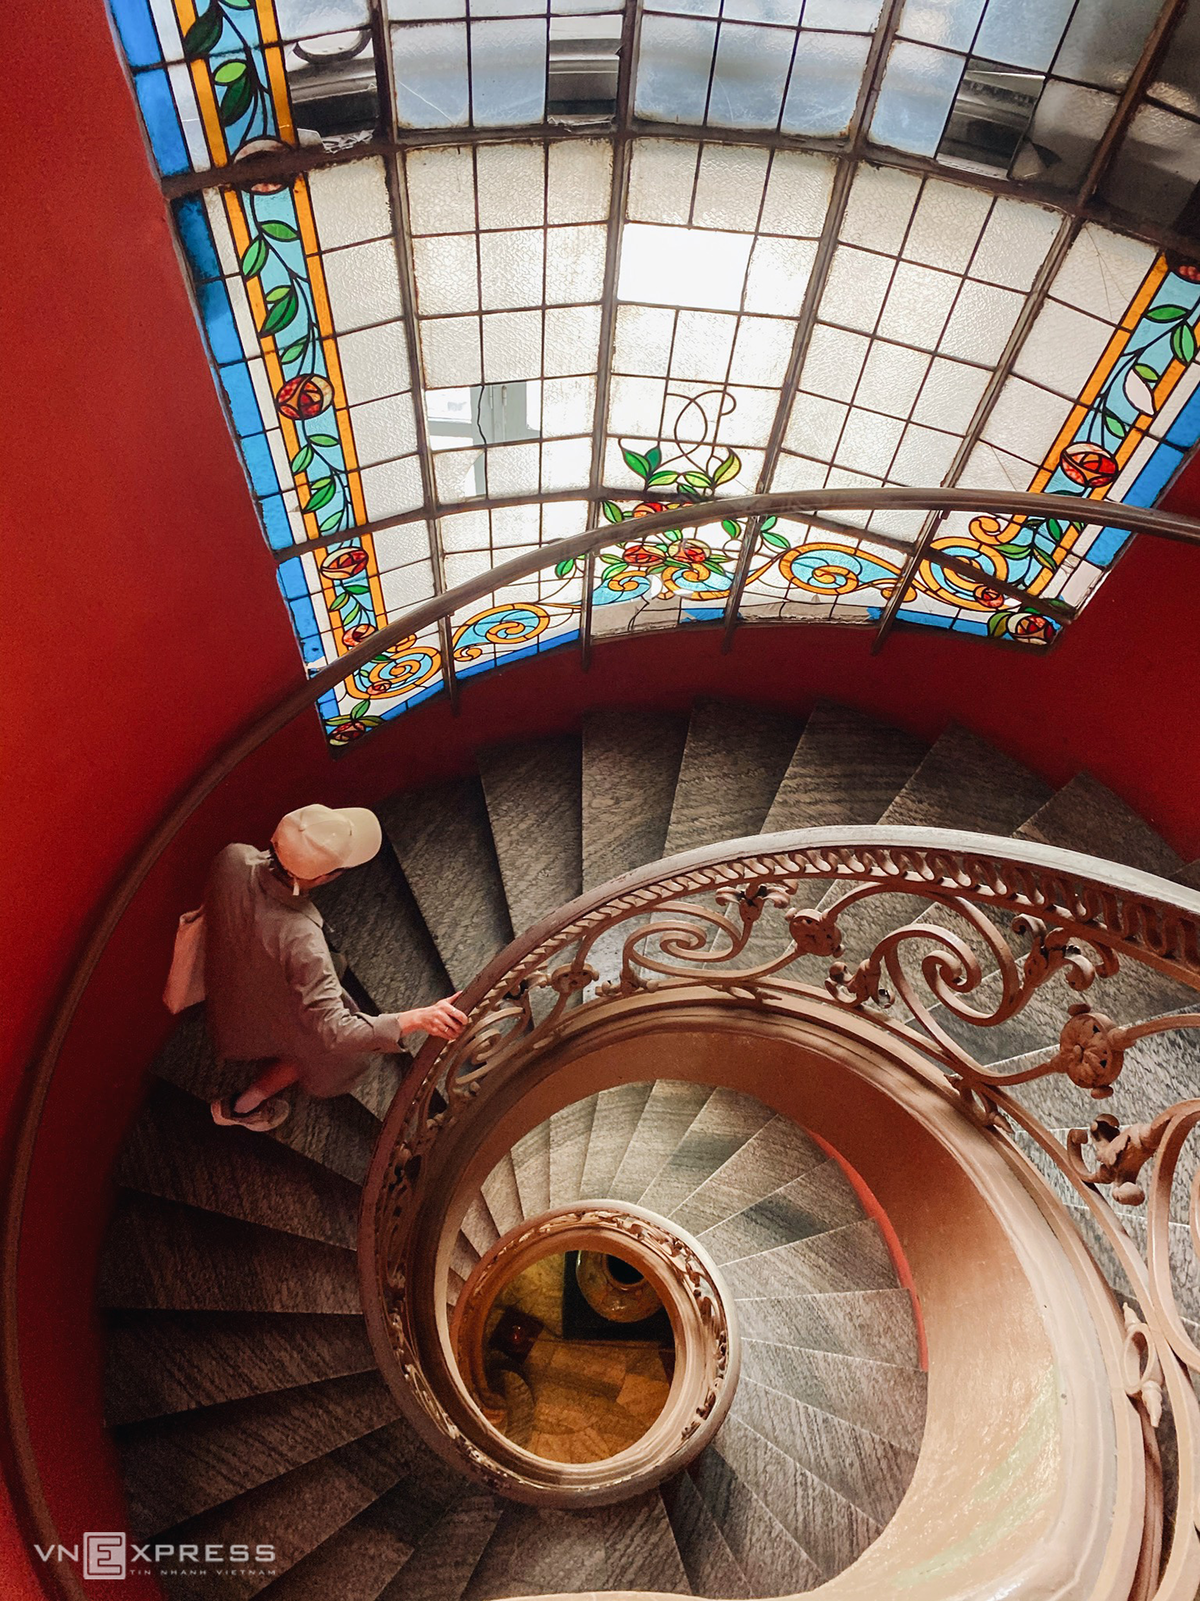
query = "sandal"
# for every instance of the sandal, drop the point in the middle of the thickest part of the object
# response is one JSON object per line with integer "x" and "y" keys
{"x": 260, "y": 1121}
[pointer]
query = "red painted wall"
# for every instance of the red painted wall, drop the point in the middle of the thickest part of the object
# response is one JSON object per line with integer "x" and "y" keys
{"x": 144, "y": 626}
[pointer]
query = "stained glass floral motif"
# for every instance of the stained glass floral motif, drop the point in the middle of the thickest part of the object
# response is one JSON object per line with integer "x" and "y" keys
{"x": 443, "y": 348}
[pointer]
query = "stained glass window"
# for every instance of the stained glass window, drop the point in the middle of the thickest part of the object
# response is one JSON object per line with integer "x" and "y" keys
{"x": 477, "y": 274}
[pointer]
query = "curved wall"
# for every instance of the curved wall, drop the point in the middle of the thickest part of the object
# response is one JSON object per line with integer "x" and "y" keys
{"x": 144, "y": 627}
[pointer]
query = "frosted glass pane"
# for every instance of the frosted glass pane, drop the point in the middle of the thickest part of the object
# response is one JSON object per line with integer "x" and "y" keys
{"x": 643, "y": 339}
{"x": 512, "y": 469}
{"x": 946, "y": 226}
{"x": 399, "y": 547}
{"x": 425, "y": 10}
{"x": 919, "y": 87}
{"x": 299, "y": 19}
{"x": 761, "y": 351}
{"x": 855, "y": 16}
{"x": 949, "y": 23}
{"x": 779, "y": 273}
{"x": 441, "y": 190}
{"x": 364, "y": 284}
{"x": 752, "y": 417}
{"x": 797, "y": 194}
{"x": 1158, "y": 165}
{"x": 855, "y": 288}
{"x": 683, "y": 266}
{"x": 636, "y": 407}
{"x": 580, "y": 181}
{"x": 868, "y": 442}
{"x": 891, "y": 378}
{"x": 949, "y": 395}
{"x": 350, "y": 203}
{"x": 814, "y": 426}
{"x": 450, "y": 348}
{"x": 673, "y": 67}
{"x": 1066, "y": 127}
{"x": 918, "y": 304}
{"x": 384, "y": 428}
{"x": 405, "y": 587}
{"x": 568, "y": 405}
{"x": 982, "y": 319}
{"x": 749, "y": 77}
{"x": 662, "y": 175}
{"x": 455, "y": 473}
{"x": 1102, "y": 273}
{"x": 511, "y": 180}
{"x": 512, "y": 346}
{"x": 785, "y": 13}
{"x": 1103, "y": 43}
{"x": 833, "y": 362}
{"x": 729, "y": 187}
{"x": 393, "y": 487}
{"x": 1014, "y": 244}
{"x": 572, "y": 339}
{"x": 824, "y": 85}
{"x": 1023, "y": 33}
{"x": 508, "y": 73}
{"x": 703, "y": 346}
{"x": 374, "y": 363}
{"x": 1062, "y": 347}
{"x": 446, "y": 271}
{"x": 924, "y": 457}
{"x": 699, "y": 8}
{"x": 431, "y": 75}
{"x": 575, "y": 263}
{"x": 879, "y": 207}
{"x": 1026, "y": 420}
{"x": 510, "y": 269}
{"x": 566, "y": 464}
{"x": 798, "y": 473}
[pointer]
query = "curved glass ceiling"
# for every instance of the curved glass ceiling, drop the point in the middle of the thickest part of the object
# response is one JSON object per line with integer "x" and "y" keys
{"x": 476, "y": 274}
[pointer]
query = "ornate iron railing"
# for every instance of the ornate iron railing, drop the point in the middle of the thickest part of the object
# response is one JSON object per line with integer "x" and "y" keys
{"x": 989, "y": 923}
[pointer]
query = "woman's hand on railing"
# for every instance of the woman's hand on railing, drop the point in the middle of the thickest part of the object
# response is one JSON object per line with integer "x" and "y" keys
{"x": 443, "y": 1020}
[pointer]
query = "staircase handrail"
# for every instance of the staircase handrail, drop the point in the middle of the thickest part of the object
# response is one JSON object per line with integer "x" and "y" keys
{"x": 682, "y": 924}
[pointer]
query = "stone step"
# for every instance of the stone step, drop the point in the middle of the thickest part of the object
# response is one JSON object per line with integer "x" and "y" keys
{"x": 722, "y": 1126}
{"x": 820, "y": 1199}
{"x": 778, "y": 1153}
{"x": 570, "y": 1131}
{"x": 617, "y": 1112}
{"x": 853, "y": 1257}
{"x": 358, "y": 1561}
{"x": 670, "y": 1109}
{"x": 501, "y": 1195}
{"x": 163, "y": 1254}
{"x": 372, "y": 915}
{"x": 833, "y": 1531}
{"x": 479, "y": 1226}
{"x": 963, "y": 782}
{"x": 533, "y": 795}
{"x": 165, "y": 1362}
{"x": 887, "y": 1400}
{"x": 531, "y": 1167}
{"x": 640, "y": 1548}
{"x": 540, "y": 1551}
{"x": 733, "y": 762}
{"x": 706, "y": 1556}
{"x": 1084, "y": 815}
{"x": 441, "y": 1566}
{"x": 865, "y": 1469}
{"x": 177, "y": 1152}
{"x": 631, "y": 765}
{"x": 870, "y": 1323}
{"x": 177, "y": 1467}
{"x": 300, "y": 1510}
{"x": 847, "y": 768}
{"x": 443, "y": 840}
{"x": 773, "y": 1563}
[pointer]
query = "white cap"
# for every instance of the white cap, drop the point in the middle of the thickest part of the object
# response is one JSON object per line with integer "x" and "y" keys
{"x": 316, "y": 840}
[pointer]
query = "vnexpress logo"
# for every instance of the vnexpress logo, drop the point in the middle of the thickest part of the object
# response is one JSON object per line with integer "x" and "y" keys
{"x": 104, "y": 1556}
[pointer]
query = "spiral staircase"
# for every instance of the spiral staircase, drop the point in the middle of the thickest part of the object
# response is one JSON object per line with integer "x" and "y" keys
{"x": 243, "y": 1392}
